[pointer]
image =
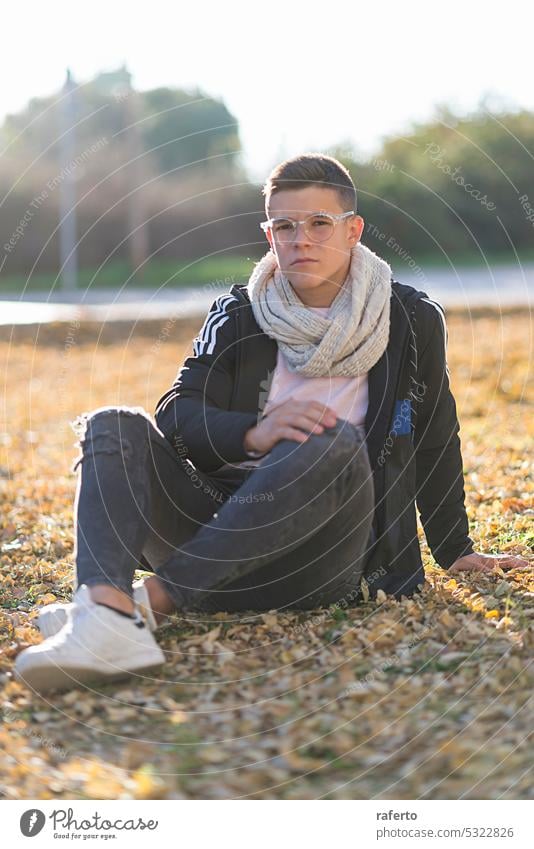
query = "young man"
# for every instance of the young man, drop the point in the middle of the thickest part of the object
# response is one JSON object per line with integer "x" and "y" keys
{"x": 286, "y": 460}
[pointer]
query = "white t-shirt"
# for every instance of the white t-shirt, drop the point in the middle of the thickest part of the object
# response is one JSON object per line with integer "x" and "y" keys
{"x": 348, "y": 396}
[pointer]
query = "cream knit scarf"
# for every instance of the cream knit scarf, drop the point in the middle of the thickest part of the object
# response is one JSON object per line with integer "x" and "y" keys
{"x": 347, "y": 341}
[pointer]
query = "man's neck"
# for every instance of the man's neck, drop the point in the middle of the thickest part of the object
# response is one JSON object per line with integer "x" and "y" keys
{"x": 321, "y": 296}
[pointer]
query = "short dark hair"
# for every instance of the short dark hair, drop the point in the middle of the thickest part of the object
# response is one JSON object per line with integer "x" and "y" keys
{"x": 309, "y": 169}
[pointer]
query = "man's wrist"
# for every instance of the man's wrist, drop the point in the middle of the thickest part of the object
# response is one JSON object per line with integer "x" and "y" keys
{"x": 250, "y": 451}
{"x": 448, "y": 560}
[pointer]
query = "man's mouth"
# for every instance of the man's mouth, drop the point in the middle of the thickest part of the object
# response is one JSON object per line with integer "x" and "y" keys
{"x": 299, "y": 261}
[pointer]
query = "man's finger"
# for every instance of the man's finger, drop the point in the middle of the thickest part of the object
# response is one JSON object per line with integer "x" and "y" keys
{"x": 513, "y": 560}
{"x": 474, "y": 567}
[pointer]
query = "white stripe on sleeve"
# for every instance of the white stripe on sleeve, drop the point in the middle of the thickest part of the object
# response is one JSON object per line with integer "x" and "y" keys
{"x": 205, "y": 341}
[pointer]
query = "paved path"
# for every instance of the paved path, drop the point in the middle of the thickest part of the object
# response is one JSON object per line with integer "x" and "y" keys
{"x": 497, "y": 286}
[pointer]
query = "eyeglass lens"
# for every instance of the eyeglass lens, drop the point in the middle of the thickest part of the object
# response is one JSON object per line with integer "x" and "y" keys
{"x": 318, "y": 228}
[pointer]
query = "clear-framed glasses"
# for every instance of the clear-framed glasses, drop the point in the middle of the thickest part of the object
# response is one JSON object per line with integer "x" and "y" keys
{"x": 319, "y": 227}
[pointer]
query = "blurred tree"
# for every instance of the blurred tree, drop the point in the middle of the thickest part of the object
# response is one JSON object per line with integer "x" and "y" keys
{"x": 166, "y": 165}
{"x": 177, "y": 128}
{"x": 146, "y": 167}
{"x": 183, "y": 129}
{"x": 451, "y": 185}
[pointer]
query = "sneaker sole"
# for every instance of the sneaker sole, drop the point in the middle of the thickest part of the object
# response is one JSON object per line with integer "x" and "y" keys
{"x": 42, "y": 679}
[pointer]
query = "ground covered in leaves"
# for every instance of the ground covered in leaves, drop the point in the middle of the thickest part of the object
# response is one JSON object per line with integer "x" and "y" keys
{"x": 429, "y": 697}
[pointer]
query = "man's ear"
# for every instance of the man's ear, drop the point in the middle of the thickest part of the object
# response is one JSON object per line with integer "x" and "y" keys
{"x": 357, "y": 228}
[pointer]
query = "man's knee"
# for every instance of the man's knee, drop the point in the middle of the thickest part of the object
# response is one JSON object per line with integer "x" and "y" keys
{"x": 118, "y": 417}
{"x": 345, "y": 436}
{"x": 111, "y": 430}
{"x": 340, "y": 450}
{"x": 343, "y": 442}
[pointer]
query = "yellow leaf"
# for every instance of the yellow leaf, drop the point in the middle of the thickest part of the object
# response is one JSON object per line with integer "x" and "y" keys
{"x": 147, "y": 785}
{"x": 177, "y": 717}
{"x": 446, "y": 619}
{"x": 47, "y": 598}
{"x": 211, "y": 636}
{"x": 269, "y": 619}
{"x": 213, "y": 755}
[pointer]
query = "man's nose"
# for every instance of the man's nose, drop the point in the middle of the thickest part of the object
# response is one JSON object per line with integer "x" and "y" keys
{"x": 300, "y": 233}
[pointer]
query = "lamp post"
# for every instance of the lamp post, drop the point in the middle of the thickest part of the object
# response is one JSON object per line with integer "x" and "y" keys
{"x": 67, "y": 189}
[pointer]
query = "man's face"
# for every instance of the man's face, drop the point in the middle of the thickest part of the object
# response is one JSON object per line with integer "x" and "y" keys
{"x": 319, "y": 277}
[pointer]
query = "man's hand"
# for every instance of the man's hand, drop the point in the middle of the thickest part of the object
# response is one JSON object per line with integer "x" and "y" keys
{"x": 291, "y": 420}
{"x": 487, "y": 563}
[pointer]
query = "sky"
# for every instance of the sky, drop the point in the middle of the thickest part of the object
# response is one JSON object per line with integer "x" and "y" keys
{"x": 298, "y": 76}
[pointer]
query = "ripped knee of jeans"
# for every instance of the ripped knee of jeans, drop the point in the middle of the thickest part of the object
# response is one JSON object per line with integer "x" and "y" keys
{"x": 97, "y": 435}
{"x": 79, "y": 424}
{"x": 105, "y": 442}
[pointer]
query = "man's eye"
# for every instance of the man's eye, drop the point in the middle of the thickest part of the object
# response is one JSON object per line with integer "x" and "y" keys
{"x": 282, "y": 225}
{"x": 318, "y": 222}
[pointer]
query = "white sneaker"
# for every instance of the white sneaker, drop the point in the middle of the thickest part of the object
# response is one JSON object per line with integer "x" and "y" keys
{"x": 95, "y": 645}
{"x": 52, "y": 617}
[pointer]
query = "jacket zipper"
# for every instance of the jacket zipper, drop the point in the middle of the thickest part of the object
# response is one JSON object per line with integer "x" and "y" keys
{"x": 239, "y": 349}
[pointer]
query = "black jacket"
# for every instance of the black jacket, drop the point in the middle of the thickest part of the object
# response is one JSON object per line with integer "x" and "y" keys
{"x": 411, "y": 424}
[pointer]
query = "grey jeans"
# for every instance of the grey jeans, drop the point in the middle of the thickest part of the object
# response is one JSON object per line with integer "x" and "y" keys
{"x": 293, "y": 532}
